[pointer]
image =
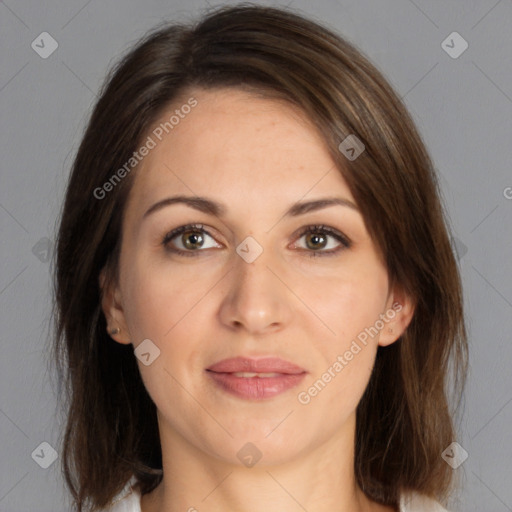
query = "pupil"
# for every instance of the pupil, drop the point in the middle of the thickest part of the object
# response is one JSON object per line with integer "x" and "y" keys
{"x": 194, "y": 235}
{"x": 316, "y": 238}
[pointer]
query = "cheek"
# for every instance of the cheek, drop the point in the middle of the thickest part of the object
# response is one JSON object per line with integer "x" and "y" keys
{"x": 146, "y": 309}
{"x": 158, "y": 300}
{"x": 350, "y": 304}
{"x": 160, "y": 308}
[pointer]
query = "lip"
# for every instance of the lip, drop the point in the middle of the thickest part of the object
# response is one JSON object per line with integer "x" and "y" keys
{"x": 261, "y": 365}
{"x": 281, "y": 375}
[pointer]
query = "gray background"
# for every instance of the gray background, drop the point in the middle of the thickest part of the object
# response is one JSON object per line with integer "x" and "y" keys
{"x": 463, "y": 108}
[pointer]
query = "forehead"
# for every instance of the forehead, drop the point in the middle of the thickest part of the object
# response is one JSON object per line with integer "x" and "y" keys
{"x": 234, "y": 142}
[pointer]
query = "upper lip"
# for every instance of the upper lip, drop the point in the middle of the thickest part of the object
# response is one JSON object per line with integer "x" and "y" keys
{"x": 262, "y": 365}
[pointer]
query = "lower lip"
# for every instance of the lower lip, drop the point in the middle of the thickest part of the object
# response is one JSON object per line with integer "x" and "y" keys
{"x": 254, "y": 388}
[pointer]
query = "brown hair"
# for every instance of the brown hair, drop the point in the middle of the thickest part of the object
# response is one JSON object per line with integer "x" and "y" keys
{"x": 404, "y": 420}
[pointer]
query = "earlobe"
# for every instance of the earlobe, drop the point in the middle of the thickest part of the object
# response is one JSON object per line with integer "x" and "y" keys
{"x": 398, "y": 315}
{"x": 111, "y": 305}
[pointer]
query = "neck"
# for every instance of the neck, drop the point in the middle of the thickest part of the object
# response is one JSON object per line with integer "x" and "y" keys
{"x": 317, "y": 480}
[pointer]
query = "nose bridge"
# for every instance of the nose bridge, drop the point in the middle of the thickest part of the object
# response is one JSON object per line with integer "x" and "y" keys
{"x": 256, "y": 298}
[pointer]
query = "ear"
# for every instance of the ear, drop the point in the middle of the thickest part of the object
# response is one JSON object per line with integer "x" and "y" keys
{"x": 111, "y": 304}
{"x": 397, "y": 316}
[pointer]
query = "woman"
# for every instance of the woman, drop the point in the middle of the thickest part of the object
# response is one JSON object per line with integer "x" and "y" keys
{"x": 257, "y": 304}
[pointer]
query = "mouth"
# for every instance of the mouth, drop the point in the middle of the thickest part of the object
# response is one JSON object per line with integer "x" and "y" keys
{"x": 255, "y": 379}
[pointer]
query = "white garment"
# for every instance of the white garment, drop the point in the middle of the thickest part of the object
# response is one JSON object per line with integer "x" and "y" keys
{"x": 128, "y": 500}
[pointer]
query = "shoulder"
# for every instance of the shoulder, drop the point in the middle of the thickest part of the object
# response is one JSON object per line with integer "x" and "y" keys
{"x": 128, "y": 500}
{"x": 414, "y": 502}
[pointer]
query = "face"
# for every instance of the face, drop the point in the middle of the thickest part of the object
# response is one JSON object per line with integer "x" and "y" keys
{"x": 297, "y": 301}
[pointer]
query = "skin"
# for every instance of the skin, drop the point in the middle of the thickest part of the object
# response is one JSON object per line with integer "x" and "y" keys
{"x": 257, "y": 157}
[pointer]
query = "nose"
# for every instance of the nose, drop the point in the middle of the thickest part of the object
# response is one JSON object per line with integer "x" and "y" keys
{"x": 257, "y": 300}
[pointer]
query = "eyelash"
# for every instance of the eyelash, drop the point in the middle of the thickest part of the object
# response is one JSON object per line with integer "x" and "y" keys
{"x": 314, "y": 229}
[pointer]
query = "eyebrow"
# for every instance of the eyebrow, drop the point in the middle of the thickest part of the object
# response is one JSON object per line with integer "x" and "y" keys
{"x": 212, "y": 207}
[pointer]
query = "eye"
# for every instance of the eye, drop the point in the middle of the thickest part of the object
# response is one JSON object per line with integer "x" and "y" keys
{"x": 193, "y": 237}
{"x": 190, "y": 242}
{"x": 316, "y": 239}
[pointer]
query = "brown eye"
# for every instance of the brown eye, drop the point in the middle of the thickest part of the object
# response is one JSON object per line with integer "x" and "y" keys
{"x": 192, "y": 239}
{"x": 187, "y": 240}
{"x": 317, "y": 239}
